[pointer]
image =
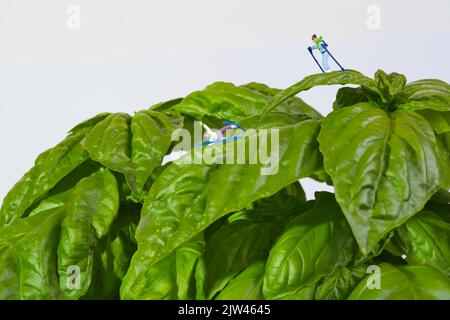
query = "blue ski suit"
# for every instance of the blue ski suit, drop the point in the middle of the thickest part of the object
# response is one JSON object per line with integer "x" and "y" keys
{"x": 325, "y": 55}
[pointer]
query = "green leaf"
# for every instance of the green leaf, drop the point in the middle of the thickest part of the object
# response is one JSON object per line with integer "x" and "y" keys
{"x": 234, "y": 247}
{"x": 170, "y": 278}
{"x": 427, "y": 93}
{"x": 133, "y": 146}
{"x": 108, "y": 143}
{"x": 431, "y": 104}
{"x": 440, "y": 204}
{"x": 226, "y": 101}
{"x": 186, "y": 260}
{"x": 349, "y": 96}
{"x": 276, "y": 120}
{"x": 55, "y": 201}
{"x": 384, "y": 167}
{"x": 440, "y": 121}
{"x": 391, "y": 84}
{"x": 330, "y": 78}
{"x": 305, "y": 293}
{"x": 28, "y": 257}
{"x": 111, "y": 261}
{"x": 444, "y": 161}
{"x": 247, "y": 285}
{"x": 339, "y": 284}
{"x": 164, "y": 106}
{"x": 89, "y": 215}
{"x": 426, "y": 240}
{"x": 50, "y": 167}
{"x": 200, "y": 275}
{"x": 150, "y": 143}
{"x": 299, "y": 106}
{"x": 90, "y": 122}
{"x": 187, "y": 198}
{"x": 442, "y": 196}
{"x": 114, "y": 265}
{"x": 444, "y": 148}
{"x": 404, "y": 283}
{"x": 445, "y": 138}
{"x": 160, "y": 283}
{"x": 108, "y": 202}
{"x": 231, "y": 249}
{"x": 46, "y": 248}
{"x": 313, "y": 245}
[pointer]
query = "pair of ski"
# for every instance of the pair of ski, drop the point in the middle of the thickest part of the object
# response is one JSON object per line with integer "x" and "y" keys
{"x": 332, "y": 57}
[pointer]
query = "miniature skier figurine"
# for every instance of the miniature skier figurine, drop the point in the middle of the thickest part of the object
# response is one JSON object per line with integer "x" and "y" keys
{"x": 213, "y": 136}
{"x": 322, "y": 46}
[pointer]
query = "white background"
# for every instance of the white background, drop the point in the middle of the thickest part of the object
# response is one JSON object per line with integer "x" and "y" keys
{"x": 130, "y": 54}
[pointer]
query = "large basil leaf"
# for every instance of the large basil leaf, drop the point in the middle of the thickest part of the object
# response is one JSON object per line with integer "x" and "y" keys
{"x": 108, "y": 143}
{"x": 28, "y": 257}
{"x": 170, "y": 278}
{"x": 247, "y": 285}
{"x": 187, "y": 198}
{"x": 314, "y": 244}
{"x": 384, "y": 167}
{"x": 440, "y": 121}
{"x": 160, "y": 282}
{"x": 91, "y": 211}
{"x": 331, "y": 78}
{"x": 133, "y": 146}
{"x": 50, "y": 167}
{"x": 404, "y": 283}
{"x": 426, "y": 241}
{"x": 427, "y": 94}
{"x": 150, "y": 142}
{"x": 226, "y": 101}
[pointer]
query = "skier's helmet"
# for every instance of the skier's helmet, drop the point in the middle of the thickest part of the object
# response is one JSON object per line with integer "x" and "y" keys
{"x": 313, "y": 36}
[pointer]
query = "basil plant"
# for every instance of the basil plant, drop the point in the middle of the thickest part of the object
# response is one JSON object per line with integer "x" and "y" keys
{"x": 102, "y": 216}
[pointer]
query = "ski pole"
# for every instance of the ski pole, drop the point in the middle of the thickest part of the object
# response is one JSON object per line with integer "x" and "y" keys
{"x": 310, "y": 51}
{"x": 332, "y": 58}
